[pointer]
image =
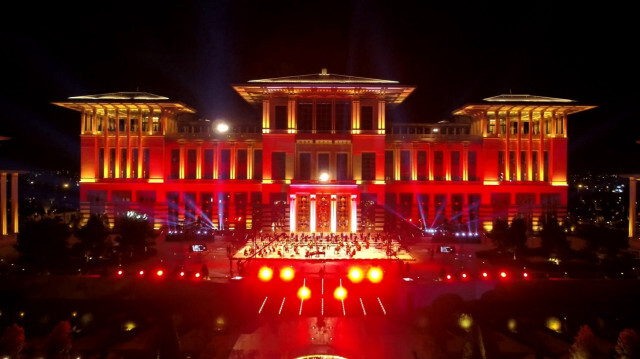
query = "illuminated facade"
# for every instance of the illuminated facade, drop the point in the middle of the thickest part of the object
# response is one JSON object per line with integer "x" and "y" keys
{"x": 325, "y": 159}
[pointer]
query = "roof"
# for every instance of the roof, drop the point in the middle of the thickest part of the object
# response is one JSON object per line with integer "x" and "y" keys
{"x": 122, "y": 100}
{"x": 523, "y": 102}
{"x": 322, "y": 84}
{"x": 324, "y": 78}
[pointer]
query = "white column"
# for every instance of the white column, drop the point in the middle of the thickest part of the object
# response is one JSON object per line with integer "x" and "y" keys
{"x": 312, "y": 214}
{"x": 334, "y": 222}
{"x": 292, "y": 213}
{"x": 14, "y": 202}
{"x": 354, "y": 214}
{"x": 632, "y": 207}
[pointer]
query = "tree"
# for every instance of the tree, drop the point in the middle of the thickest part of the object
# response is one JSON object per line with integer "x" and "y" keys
{"x": 12, "y": 341}
{"x": 628, "y": 345}
{"x": 517, "y": 234}
{"x": 500, "y": 234}
{"x": 59, "y": 341}
{"x": 136, "y": 234}
{"x": 584, "y": 346}
{"x": 43, "y": 242}
{"x": 553, "y": 237}
{"x": 93, "y": 235}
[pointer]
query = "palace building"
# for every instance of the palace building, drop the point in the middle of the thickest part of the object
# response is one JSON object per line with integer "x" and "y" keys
{"x": 326, "y": 158}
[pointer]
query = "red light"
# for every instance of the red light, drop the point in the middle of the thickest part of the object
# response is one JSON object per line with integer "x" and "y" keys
{"x": 197, "y": 275}
{"x": 182, "y": 274}
{"x": 355, "y": 274}
{"x": 340, "y": 293}
{"x": 448, "y": 276}
{"x": 265, "y": 274}
{"x": 375, "y": 275}
{"x": 287, "y": 274}
{"x": 141, "y": 273}
{"x": 503, "y": 274}
{"x": 464, "y": 275}
{"x": 120, "y": 272}
{"x": 485, "y": 275}
{"x": 304, "y": 293}
{"x": 525, "y": 275}
{"x": 160, "y": 273}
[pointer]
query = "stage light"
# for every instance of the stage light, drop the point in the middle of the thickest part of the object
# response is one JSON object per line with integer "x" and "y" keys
{"x": 355, "y": 275}
{"x": 265, "y": 274}
{"x": 340, "y": 293}
{"x": 120, "y": 272}
{"x": 181, "y": 274}
{"x": 222, "y": 127}
{"x": 449, "y": 277}
{"x": 287, "y": 274}
{"x": 141, "y": 273}
{"x": 503, "y": 274}
{"x": 525, "y": 275}
{"x": 197, "y": 275}
{"x": 464, "y": 275}
{"x": 159, "y": 272}
{"x": 375, "y": 275}
{"x": 485, "y": 275}
{"x": 304, "y": 293}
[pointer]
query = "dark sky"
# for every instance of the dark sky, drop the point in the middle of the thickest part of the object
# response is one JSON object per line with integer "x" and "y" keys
{"x": 193, "y": 51}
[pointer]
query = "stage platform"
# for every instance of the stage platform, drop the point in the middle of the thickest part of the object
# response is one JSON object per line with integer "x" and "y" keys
{"x": 323, "y": 251}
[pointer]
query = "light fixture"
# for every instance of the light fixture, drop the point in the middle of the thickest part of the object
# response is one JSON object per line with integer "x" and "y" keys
{"x": 324, "y": 177}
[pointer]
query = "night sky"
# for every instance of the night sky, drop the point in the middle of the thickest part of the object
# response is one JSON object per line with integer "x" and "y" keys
{"x": 193, "y": 52}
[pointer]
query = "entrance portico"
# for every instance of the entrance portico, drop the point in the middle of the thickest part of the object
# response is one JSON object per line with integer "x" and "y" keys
{"x": 323, "y": 208}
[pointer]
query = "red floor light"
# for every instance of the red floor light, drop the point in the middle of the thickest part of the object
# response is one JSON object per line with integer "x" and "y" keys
{"x": 287, "y": 274}
{"x": 181, "y": 274}
{"x": 375, "y": 275}
{"x": 355, "y": 274}
{"x": 525, "y": 275}
{"x": 449, "y": 276}
{"x": 485, "y": 275}
{"x": 120, "y": 272}
{"x": 340, "y": 293}
{"x": 197, "y": 275}
{"x": 304, "y": 293}
{"x": 265, "y": 274}
{"x": 141, "y": 273}
{"x": 159, "y": 272}
{"x": 503, "y": 274}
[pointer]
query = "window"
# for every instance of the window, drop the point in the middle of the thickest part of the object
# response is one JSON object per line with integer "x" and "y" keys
{"x": 546, "y": 166}
{"x": 257, "y": 164}
{"x": 191, "y": 163}
{"x": 343, "y": 116}
{"x": 536, "y": 123}
{"x": 366, "y": 118}
{"x": 438, "y": 166}
{"x": 405, "y": 166}
{"x": 278, "y": 168}
{"x": 534, "y": 165}
{"x": 207, "y": 166}
{"x": 342, "y": 166}
{"x": 304, "y": 172}
{"x": 491, "y": 123}
{"x": 323, "y": 163}
{"x": 501, "y": 165}
{"x": 423, "y": 210}
{"x": 525, "y": 128}
{"x": 145, "y": 162}
{"x": 101, "y": 163}
{"x": 133, "y": 120}
{"x": 173, "y": 203}
{"x": 111, "y": 121}
{"x": 512, "y": 166}
{"x": 134, "y": 163}
{"x": 225, "y": 164}
{"x": 206, "y": 204}
{"x": 145, "y": 121}
{"x": 281, "y": 118}
{"x": 560, "y": 124}
{"x": 388, "y": 165}
{"x": 472, "y": 166}
{"x": 305, "y": 117}
{"x": 456, "y": 170}
{"x": 122, "y": 124}
{"x": 514, "y": 128}
{"x": 157, "y": 126}
{"x": 175, "y": 163}
{"x": 99, "y": 119}
{"x": 88, "y": 118}
{"x": 112, "y": 163}
{"x": 368, "y": 166}
{"x": 323, "y": 117}
{"x": 241, "y": 164}
{"x": 422, "y": 166}
{"x": 502, "y": 118}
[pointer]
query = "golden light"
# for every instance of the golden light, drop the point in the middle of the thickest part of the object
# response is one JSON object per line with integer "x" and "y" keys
{"x": 375, "y": 275}
{"x": 304, "y": 293}
{"x": 465, "y": 321}
{"x": 355, "y": 274}
{"x": 222, "y": 127}
{"x": 324, "y": 176}
{"x": 554, "y": 324}
{"x": 287, "y": 274}
{"x": 340, "y": 293}
{"x": 265, "y": 274}
{"x": 128, "y": 326}
{"x": 512, "y": 325}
